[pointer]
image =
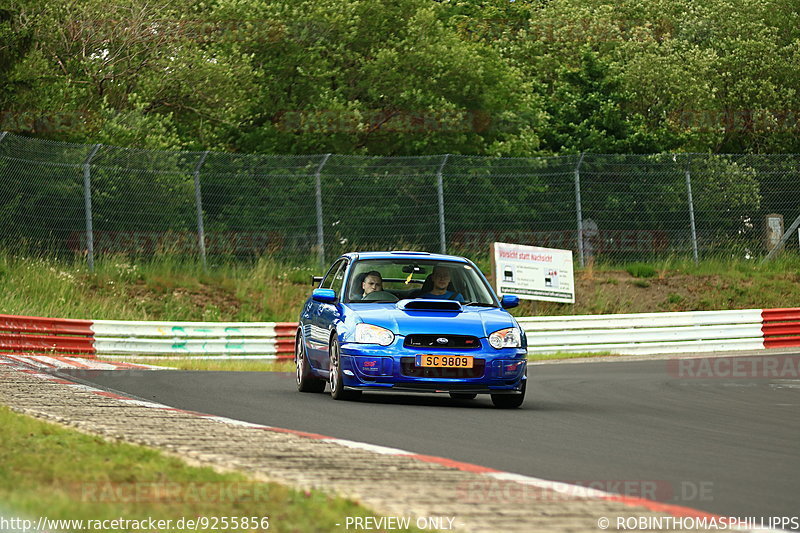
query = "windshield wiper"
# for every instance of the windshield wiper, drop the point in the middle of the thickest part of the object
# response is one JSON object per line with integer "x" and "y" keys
{"x": 479, "y": 304}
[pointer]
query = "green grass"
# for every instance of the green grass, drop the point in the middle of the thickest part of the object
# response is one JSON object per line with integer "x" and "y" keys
{"x": 641, "y": 270}
{"x": 48, "y": 470}
{"x": 162, "y": 288}
{"x": 168, "y": 288}
{"x": 567, "y": 355}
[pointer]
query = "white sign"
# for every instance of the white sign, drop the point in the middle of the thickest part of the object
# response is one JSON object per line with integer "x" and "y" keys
{"x": 534, "y": 273}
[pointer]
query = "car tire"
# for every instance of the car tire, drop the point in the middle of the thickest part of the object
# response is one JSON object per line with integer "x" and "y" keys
{"x": 510, "y": 401}
{"x": 463, "y": 395}
{"x": 306, "y": 382}
{"x": 338, "y": 391}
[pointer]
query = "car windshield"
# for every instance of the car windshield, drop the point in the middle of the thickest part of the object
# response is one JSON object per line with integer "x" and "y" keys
{"x": 390, "y": 280}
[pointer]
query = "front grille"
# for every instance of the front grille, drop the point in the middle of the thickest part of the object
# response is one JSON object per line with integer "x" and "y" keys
{"x": 454, "y": 342}
{"x": 409, "y": 368}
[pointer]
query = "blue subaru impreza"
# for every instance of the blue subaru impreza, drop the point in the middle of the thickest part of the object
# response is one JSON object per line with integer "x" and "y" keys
{"x": 410, "y": 321}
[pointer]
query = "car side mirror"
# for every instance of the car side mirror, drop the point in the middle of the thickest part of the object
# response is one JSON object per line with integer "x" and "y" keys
{"x": 326, "y": 296}
{"x": 508, "y": 301}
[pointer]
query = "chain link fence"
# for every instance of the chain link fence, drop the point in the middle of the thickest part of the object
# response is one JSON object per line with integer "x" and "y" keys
{"x": 67, "y": 198}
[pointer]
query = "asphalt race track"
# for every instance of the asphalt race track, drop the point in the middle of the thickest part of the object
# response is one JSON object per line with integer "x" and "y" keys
{"x": 726, "y": 445}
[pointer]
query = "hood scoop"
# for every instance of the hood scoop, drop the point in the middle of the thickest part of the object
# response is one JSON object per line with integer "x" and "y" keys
{"x": 429, "y": 305}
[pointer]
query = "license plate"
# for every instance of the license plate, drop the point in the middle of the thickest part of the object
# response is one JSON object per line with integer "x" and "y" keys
{"x": 445, "y": 361}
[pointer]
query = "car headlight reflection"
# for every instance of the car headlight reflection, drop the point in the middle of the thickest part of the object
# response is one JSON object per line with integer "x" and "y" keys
{"x": 506, "y": 338}
{"x": 371, "y": 334}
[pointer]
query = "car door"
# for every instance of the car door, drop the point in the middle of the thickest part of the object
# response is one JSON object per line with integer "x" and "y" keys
{"x": 323, "y": 316}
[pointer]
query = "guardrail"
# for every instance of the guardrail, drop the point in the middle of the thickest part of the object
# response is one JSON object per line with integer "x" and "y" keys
{"x": 677, "y": 332}
{"x": 642, "y": 333}
{"x": 111, "y": 339}
{"x": 781, "y": 327}
{"x": 51, "y": 335}
{"x": 646, "y": 333}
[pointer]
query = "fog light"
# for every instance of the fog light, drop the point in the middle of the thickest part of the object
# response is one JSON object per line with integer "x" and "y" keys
{"x": 512, "y": 368}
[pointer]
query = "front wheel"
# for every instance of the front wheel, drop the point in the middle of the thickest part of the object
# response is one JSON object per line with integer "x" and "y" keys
{"x": 305, "y": 381}
{"x": 338, "y": 391}
{"x": 510, "y": 401}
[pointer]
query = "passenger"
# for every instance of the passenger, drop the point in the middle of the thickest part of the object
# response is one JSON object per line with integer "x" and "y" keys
{"x": 373, "y": 282}
{"x": 441, "y": 280}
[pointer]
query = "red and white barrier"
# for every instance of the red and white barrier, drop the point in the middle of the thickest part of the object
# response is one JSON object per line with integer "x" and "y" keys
{"x": 31, "y": 334}
{"x": 642, "y": 333}
{"x": 263, "y": 340}
{"x": 651, "y": 333}
{"x": 111, "y": 338}
{"x": 781, "y": 327}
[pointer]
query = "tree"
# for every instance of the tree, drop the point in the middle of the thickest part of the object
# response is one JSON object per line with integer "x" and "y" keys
{"x": 352, "y": 76}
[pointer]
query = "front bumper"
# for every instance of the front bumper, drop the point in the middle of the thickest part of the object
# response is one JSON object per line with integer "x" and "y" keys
{"x": 371, "y": 367}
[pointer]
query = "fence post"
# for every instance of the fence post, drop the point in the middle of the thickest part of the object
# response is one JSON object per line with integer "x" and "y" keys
{"x": 691, "y": 207}
{"x": 87, "y": 202}
{"x": 320, "y": 230}
{"x": 440, "y": 193}
{"x": 579, "y": 208}
{"x": 786, "y": 236}
{"x": 198, "y": 200}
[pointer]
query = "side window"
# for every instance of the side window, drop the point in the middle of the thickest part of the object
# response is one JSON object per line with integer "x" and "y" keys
{"x": 327, "y": 283}
{"x": 335, "y": 277}
{"x": 338, "y": 280}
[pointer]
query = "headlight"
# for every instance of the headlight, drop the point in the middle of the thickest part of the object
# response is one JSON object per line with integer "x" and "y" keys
{"x": 506, "y": 338}
{"x": 370, "y": 334}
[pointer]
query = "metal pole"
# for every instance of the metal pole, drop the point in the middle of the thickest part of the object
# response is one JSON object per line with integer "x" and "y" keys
{"x": 87, "y": 201}
{"x": 320, "y": 230}
{"x": 579, "y": 208}
{"x": 691, "y": 208}
{"x": 198, "y": 200}
{"x": 440, "y": 191}
{"x": 786, "y": 236}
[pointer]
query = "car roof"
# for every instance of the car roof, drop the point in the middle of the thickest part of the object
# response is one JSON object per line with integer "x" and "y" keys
{"x": 404, "y": 254}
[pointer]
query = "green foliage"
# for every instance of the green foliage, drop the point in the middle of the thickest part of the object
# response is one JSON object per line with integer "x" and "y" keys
{"x": 407, "y": 76}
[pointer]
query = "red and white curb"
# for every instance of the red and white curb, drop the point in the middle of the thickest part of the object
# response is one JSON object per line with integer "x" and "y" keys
{"x": 566, "y": 489}
{"x": 53, "y": 362}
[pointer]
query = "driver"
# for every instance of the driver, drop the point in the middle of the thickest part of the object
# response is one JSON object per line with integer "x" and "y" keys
{"x": 373, "y": 282}
{"x": 441, "y": 280}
